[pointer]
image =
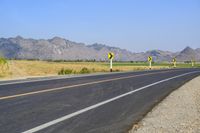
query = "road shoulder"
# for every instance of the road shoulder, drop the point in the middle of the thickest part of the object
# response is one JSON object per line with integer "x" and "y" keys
{"x": 179, "y": 112}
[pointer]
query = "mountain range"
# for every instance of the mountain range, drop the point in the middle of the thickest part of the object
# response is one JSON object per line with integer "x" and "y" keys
{"x": 62, "y": 49}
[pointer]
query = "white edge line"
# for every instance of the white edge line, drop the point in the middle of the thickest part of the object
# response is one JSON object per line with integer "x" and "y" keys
{"x": 43, "y": 126}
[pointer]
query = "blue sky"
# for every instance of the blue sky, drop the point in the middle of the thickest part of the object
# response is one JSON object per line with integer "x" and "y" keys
{"x": 136, "y": 25}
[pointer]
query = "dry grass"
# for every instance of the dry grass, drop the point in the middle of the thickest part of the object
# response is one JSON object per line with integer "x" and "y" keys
{"x": 24, "y": 68}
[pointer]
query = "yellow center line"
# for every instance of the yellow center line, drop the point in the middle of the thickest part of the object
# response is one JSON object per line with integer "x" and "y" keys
{"x": 78, "y": 85}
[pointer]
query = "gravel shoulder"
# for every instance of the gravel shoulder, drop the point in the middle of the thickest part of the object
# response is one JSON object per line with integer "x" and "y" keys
{"x": 179, "y": 112}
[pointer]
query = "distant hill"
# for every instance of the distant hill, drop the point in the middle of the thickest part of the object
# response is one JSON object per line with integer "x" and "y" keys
{"x": 61, "y": 49}
{"x": 189, "y": 54}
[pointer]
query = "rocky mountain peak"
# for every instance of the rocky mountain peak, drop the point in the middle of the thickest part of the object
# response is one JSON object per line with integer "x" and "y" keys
{"x": 58, "y": 41}
{"x": 187, "y": 54}
{"x": 188, "y": 50}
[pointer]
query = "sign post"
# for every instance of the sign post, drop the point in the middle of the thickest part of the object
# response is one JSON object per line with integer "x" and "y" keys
{"x": 110, "y": 65}
{"x": 150, "y": 60}
{"x": 192, "y": 63}
{"x": 110, "y": 57}
{"x": 174, "y": 62}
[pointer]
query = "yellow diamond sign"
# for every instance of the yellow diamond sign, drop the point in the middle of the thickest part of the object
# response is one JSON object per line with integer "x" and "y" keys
{"x": 110, "y": 55}
{"x": 174, "y": 59}
{"x": 150, "y": 58}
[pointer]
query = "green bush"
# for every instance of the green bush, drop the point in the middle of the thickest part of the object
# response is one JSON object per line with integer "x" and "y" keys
{"x": 116, "y": 70}
{"x": 65, "y": 71}
{"x": 3, "y": 64}
{"x": 84, "y": 70}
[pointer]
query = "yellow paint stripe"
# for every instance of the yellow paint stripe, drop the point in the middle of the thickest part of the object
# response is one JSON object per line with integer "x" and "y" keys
{"x": 78, "y": 85}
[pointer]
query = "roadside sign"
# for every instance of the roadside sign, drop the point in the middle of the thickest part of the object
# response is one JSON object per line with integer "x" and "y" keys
{"x": 174, "y": 62}
{"x": 174, "y": 59}
{"x": 110, "y": 55}
{"x": 150, "y": 58}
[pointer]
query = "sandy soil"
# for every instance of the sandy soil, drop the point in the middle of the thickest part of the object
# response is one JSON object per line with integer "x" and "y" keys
{"x": 177, "y": 113}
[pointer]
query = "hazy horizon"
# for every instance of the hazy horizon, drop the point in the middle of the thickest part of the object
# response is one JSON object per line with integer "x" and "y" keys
{"x": 137, "y": 26}
{"x": 97, "y": 43}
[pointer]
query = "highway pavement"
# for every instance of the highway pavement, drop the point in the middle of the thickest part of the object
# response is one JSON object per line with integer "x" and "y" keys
{"x": 103, "y": 103}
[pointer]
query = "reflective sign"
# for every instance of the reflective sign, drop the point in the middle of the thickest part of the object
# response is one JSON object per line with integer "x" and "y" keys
{"x": 150, "y": 58}
{"x": 110, "y": 55}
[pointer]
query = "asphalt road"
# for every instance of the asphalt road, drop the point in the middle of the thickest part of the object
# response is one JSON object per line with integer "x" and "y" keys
{"x": 107, "y": 103}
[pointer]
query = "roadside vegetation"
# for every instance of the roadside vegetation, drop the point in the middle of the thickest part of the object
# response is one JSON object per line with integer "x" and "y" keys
{"x": 29, "y": 68}
{"x": 64, "y": 71}
{"x": 4, "y": 68}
